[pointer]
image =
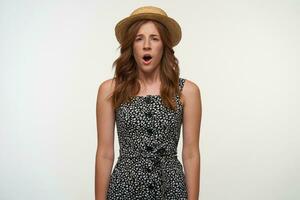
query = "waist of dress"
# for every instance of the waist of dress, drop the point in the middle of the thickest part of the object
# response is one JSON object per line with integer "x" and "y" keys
{"x": 147, "y": 155}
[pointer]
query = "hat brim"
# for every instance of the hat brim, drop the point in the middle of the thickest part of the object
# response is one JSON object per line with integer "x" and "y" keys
{"x": 169, "y": 23}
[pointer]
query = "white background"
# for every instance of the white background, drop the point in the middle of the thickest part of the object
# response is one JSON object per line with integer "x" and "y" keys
{"x": 243, "y": 55}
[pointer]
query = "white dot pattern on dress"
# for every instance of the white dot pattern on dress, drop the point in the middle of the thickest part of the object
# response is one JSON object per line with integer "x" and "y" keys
{"x": 148, "y": 166}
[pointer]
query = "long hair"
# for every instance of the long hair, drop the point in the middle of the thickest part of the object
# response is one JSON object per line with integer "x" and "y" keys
{"x": 126, "y": 74}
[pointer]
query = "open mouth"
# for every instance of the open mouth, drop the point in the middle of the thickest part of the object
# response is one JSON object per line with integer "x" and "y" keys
{"x": 147, "y": 58}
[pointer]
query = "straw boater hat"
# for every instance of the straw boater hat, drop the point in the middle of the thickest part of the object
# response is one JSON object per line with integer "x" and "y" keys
{"x": 149, "y": 12}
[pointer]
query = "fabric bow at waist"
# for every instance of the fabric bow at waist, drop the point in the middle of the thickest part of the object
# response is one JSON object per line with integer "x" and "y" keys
{"x": 154, "y": 161}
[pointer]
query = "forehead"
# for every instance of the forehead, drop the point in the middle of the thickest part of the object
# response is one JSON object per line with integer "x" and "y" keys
{"x": 148, "y": 28}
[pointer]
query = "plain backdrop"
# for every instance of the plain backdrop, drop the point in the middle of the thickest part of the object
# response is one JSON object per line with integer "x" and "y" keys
{"x": 243, "y": 55}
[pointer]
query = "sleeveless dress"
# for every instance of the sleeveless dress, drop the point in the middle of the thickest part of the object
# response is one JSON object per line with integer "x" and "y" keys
{"x": 148, "y": 166}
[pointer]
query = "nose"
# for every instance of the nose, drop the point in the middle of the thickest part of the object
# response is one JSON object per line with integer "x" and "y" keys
{"x": 147, "y": 44}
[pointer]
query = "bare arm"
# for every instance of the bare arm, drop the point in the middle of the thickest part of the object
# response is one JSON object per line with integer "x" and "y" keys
{"x": 105, "y": 133}
{"x": 191, "y": 134}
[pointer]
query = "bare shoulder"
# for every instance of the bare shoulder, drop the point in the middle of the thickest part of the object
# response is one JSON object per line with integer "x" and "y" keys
{"x": 106, "y": 88}
{"x": 191, "y": 92}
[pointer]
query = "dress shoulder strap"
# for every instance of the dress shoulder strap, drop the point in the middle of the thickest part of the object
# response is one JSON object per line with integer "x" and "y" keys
{"x": 181, "y": 83}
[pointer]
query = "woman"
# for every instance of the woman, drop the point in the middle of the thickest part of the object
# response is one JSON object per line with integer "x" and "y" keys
{"x": 148, "y": 101}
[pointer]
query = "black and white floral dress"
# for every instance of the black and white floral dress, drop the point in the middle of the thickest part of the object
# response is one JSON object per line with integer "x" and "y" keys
{"x": 148, "y": 166}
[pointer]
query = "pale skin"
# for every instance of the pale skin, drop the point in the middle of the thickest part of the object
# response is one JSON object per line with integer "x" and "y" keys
{"x": 148, "y": 41}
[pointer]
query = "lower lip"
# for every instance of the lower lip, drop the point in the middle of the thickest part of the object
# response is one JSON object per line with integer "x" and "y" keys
{"x": 147, "y": 62}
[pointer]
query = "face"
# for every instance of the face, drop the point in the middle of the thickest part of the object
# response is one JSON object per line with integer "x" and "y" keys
{"x": 148, "y": 47}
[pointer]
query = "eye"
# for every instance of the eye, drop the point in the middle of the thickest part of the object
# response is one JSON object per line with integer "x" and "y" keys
{"x": 138, "y": 39}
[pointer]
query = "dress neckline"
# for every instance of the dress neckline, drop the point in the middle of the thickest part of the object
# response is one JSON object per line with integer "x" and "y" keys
{"x": 146, "y": 96}
{"x": 152, "y": 95}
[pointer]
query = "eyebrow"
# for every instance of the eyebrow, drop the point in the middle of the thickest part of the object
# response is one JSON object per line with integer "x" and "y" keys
{"x": 150, "y": 35}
